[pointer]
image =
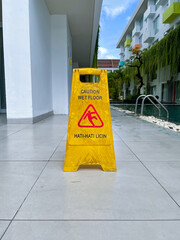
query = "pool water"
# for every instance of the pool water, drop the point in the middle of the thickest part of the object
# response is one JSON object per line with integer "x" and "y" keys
{"x": 150, "y": 110}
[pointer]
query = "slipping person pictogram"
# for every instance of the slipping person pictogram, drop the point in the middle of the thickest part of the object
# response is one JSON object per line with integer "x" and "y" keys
{"x": 90, "y": 118}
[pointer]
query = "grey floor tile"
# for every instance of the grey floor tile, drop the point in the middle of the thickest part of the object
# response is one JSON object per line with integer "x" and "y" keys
{"x": 162, "y": 147}
{"x": 3, "y": 226}
{"x": 59, "y": 154}
{"x": 15, "y": 149}
{"x": 121, "y": 148}
{"x": 9, "y": 129}
{"x": 93, "y": 230}
{"x": 158, "y": 156}
{"x": 168, "y": 174}
{"x": 126, "y": 157}
{"x": 16, "y": 179}
{"x": 129, "y": 193}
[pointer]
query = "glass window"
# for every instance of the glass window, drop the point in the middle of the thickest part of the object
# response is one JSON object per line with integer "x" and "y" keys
{"x": 164, "y": 92}
{"x": 156, "y": 25}
{"x": 178, "y": 91}
{"x": 155, "y": 42}
{"x": 153, "y": 90}
{"x": 155, "y": 3}
{"x": 140, "y": 40}
{"x": 141, "y": 22}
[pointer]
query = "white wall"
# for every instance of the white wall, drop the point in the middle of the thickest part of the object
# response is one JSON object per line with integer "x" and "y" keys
{"x": 40, "y": 42}
{"x": 60, "y": 68}
{"x": 69, "y": 42}
{"x": 38, "y": 50}
{"x": 17, "y": 58}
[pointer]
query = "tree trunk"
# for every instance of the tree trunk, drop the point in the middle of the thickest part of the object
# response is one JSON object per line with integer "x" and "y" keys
{"x": 138, "y": 75}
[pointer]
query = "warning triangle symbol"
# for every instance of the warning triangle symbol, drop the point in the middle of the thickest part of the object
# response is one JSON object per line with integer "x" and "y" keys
{"x": 90, "y": 118}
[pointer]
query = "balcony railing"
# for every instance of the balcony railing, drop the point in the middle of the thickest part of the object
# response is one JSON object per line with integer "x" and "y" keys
{"x": 150, "y": 12}
{"x": 127, "y": 43}
{"x": 161, "y": 2}
{"x": 148, "y": 36}
{"x": 121, "y": 63}
{"x": 171, "y": 13}
{"x": 121, "y": 52}
{"x": 136, "y": 31}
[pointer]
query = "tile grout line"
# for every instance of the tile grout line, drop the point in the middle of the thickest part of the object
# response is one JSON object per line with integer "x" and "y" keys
{"x": 13, "y": 133}
{"x": 24, "y": 200}
{"x": 1, "y": 237}
{"x": 151, "y": 173}
{"x": 96, "y": 220}
{"x": 56, "y": 149}
{"x": 29, "y": 192}
{"x": 30, "y": 189}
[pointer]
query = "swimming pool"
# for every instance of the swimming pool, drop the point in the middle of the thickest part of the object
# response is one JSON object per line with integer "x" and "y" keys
{"x": 150, "y": 110}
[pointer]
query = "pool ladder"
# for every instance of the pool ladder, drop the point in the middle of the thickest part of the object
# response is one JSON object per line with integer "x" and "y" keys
{"x": 150, "y": 97}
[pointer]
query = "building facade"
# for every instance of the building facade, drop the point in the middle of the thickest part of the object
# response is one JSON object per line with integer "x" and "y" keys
{"x": 110, "y": 65}
{"x": 40, "y": 42}
{"x": 151, "y": 21}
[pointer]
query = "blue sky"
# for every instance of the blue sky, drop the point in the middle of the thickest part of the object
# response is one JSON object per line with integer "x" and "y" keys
{"x": 114, "y": 18}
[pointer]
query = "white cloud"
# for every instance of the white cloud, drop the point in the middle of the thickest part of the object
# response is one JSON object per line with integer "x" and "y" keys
{"x": 128, "y": 18}
{"x": 111, "y": 57}
{"x": 104, "y": 53}
{"x": 114, "y": 8}
{"x": 102, "y": 24}
{"x": 113, "y": 12}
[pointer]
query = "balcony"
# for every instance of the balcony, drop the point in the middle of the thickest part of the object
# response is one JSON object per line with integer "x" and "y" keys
{"x": 136, "y": 48}
{"x": 148, "y": 36}
{"x": 171, "y": 13}
{"x": 121, "y": 63}
{"x": 127, "y": 43}
{"x": 161, "y": 2}
{"x": 136, "y": 31}
{"x": 121, "y": 52}
{"x": 150, "y": 12}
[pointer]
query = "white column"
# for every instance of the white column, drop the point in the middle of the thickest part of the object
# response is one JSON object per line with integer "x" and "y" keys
{"x": 59, "y": 57}
{"x": 40, "y": 45}
{"x": 16, "y": 36}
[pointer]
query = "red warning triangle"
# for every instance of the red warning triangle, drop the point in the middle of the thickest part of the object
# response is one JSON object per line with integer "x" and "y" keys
{"x": 90, "y": 118}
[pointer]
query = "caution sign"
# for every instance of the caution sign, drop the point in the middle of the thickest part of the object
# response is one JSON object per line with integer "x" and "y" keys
{"x": 90, "y": 118}
{"x": 89, "y": 138}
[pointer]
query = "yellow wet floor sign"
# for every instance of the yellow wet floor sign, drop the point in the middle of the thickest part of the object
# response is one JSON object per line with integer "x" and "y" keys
{"x": 89, "y": 138}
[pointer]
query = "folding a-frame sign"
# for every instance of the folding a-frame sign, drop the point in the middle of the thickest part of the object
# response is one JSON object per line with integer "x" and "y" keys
{"x": 89, "y": 138}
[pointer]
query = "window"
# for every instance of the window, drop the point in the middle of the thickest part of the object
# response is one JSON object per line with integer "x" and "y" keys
{"x": 156, "y": 25}
{"x": 153, "y": 90}
{"x": 141, "y": 22}
{"x": 178, "y": 92}
{"x": 155, "y": 42}
{"x": 140, "y": 40}
{"x": 164, "y": 92}
{"x": 156, "y": 5}
{"x": 168, "y": 31}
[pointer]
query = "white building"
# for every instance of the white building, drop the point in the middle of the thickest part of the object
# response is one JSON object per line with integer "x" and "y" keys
{"x": 151, "y": 21}
{"x": 42, "y": 40}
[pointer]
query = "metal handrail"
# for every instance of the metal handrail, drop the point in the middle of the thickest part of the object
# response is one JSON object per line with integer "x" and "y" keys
{"x": 149, "y": 100}
{"x": 148, "y": 96}
{"x": 137, "y": 102}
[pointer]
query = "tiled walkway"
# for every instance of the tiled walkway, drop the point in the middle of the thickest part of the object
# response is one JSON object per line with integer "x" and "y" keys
{"x": 141, "y": 201}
